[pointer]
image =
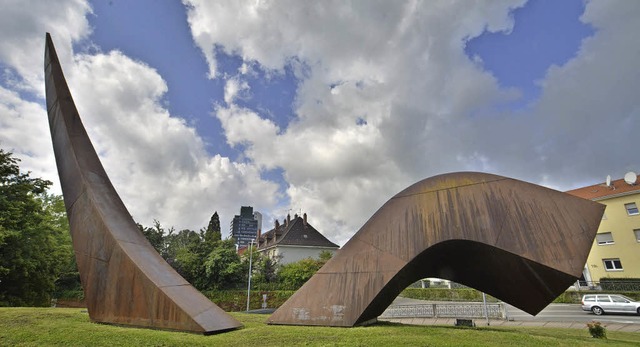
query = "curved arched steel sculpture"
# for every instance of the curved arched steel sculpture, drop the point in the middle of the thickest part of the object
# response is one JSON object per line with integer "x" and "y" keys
{"x": 125, "y": 280}
{"x": 519, "y": 242}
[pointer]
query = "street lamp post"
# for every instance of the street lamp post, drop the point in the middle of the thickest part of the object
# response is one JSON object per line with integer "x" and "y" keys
{"x": 486, "y": 311}
{"x": 250, "y": 263}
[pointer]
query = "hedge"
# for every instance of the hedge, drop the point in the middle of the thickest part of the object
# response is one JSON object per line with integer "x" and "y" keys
{"x": 236, "y": 300}
{"x": 445, "y": 294}
{"x": 621, "y": 284}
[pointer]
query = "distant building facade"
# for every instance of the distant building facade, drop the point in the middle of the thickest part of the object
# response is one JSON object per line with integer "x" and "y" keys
{"x": 616, "y": 250}
{"x": 293, "y": 240}
{"x": 258, "y": 216}
{"x": 244, "y": 227}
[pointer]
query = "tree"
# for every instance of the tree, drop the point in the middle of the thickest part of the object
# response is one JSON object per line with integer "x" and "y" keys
{"x": 222, "y": 266}
{"x": 181, "y": 252}
{"x": 294, "y": 275}
{"x": 34, "y": 239}
{"x": 155, "y": 235}
{"x": 213, "y": 233}
{"x": 69, "y": 278}
{"x": 265, "y": 269}
{"x": 203, "y": 259}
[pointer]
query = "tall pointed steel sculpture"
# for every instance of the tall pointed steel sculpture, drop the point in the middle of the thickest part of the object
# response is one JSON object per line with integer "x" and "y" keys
{"x": 125, "y": 280}
{"x": 519, "y": 242}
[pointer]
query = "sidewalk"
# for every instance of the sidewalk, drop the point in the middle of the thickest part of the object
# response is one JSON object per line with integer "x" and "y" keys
{"x": 633, "y": 328}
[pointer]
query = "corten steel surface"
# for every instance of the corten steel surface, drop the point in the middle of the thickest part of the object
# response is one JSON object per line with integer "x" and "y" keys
{"x": 522, "y": 243}
{"x": 125, "y": 280}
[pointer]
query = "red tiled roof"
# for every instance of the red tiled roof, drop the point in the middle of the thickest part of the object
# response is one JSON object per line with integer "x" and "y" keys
{"x": 601, "y": 191}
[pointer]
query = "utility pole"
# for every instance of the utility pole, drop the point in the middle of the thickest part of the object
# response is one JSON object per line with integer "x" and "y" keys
{"x": 249, "y": 285}
{"x": 486, "y": 311}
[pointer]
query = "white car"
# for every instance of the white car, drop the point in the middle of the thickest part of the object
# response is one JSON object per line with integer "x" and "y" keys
{"x": 609, "y": 303}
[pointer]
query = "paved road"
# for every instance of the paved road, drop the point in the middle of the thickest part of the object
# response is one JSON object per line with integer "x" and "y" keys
{"x": 569, "y": 313}
{"x": 552, "y": 313}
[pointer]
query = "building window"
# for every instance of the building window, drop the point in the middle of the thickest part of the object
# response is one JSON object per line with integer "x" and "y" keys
{"x": 637, "y": 232}
{"x": 604, "y": 239}
{"x": 632, "y": 209}
{"x": 612, "y": 264}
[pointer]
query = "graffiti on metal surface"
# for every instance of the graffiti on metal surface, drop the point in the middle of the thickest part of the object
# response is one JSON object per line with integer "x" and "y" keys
{"x": 125, "y": 280}
{"x": 519, "y": 242}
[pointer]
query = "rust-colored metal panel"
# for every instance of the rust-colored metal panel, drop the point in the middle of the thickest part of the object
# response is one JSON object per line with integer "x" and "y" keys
{"x": 125, "y": 280}
{"x": 517, "y": 241}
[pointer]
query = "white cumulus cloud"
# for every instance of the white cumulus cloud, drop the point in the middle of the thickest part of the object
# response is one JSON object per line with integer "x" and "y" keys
{"x": 387, "y": 96}
{"x": 156, "y": 161}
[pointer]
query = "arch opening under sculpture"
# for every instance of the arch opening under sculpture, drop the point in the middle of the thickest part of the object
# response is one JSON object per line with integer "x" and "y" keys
{"x": 522, "y": 243}
{"x": 465, "y": 262}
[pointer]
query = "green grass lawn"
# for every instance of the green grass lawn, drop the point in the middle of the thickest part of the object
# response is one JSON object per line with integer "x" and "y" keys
{"x": 71, "y": 327}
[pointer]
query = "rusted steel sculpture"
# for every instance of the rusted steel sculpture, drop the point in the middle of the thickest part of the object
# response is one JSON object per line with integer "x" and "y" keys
{"x": 125, "y": 280}
{"x": 519, "y": 242}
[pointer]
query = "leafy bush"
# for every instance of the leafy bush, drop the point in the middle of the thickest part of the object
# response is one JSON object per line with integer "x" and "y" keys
{"x": 597, "y": 330}
{"x": 294, "y": 275}
{"x": 569, "y": 298}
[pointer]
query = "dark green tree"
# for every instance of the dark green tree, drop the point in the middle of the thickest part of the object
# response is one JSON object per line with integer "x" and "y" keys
{"x": 181, "y": 252}
{"x": 223, "y": 267}
{"x": 34, "y": 239}
{"x": 69, "y": 277}
{"x": 213, "y": 233}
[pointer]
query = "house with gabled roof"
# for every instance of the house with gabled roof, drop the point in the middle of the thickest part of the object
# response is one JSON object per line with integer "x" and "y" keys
{"x": 293, "y": 240}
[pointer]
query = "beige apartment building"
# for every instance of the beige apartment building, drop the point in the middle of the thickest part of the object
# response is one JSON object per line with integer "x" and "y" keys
{"x": 616, "y": 249}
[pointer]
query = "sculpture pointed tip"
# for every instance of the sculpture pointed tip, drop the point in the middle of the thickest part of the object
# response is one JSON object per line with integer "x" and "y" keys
{"x": 48, "y": 45}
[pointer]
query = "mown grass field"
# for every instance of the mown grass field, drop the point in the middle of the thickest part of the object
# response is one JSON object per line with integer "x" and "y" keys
{"x": 71, "y": 327}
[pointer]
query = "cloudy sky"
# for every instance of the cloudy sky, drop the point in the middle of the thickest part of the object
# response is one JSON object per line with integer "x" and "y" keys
{"x": 328, "y": 107}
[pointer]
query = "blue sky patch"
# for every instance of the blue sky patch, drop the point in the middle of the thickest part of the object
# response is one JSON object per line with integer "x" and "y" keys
{"x": 545, "y": 33}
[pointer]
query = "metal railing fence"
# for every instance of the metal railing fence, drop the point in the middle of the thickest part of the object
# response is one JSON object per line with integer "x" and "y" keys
{"x": 446, "y": 310}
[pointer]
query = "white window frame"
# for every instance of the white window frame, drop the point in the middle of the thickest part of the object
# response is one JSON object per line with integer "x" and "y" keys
{"x": 632, "y": 209}
{"x": 612, "y": 262}
{"x": 607, "y": 242}
{"x": 637, "y": 233}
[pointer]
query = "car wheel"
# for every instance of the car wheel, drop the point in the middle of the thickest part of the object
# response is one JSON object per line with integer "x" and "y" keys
{"x": 638, "y": 311}
{"x": 597, "y": 310}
